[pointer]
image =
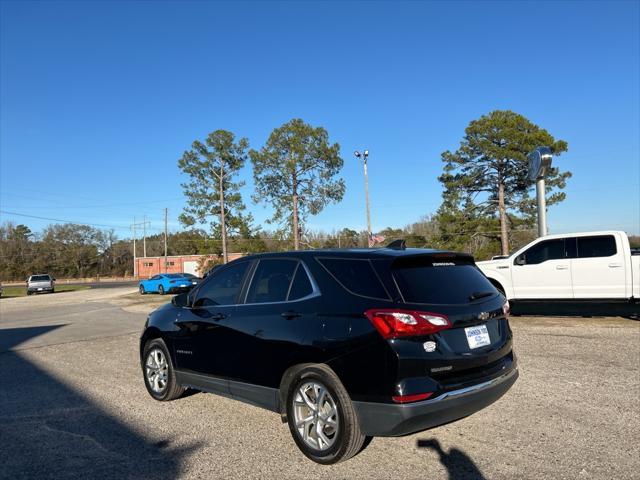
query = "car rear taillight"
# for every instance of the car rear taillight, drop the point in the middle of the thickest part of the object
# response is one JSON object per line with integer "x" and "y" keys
{"x": 394, "y": 323}
{"x": 506, "y": 309}
{"x": 411, "y": 398}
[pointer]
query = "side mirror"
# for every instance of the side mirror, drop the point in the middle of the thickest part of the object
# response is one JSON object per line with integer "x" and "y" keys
{"x": 181, "y": 300}
{"x": 521, "y": 260}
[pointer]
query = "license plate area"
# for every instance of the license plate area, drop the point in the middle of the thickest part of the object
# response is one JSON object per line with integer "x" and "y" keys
{"x": 477, "y": 336}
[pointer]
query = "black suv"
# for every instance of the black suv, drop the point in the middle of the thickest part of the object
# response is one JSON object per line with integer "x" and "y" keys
{"x": 343, "y": 344}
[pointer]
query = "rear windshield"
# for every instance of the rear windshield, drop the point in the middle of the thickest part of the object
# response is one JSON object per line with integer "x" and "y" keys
{"x": 40, "y": 278}
{"x": 441, "y": 280}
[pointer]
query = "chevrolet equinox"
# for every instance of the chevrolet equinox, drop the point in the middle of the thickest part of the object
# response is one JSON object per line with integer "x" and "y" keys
{"x": 342, "y": 344}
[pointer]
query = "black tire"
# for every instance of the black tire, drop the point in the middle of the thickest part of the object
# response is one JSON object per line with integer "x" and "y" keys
{"x": 141, "y": 290}
{"x": 28, "y": 293}
{"x": 161, "y": 290}
{"x": 171, "y": 389}
{"x": 53, "y": 290}
{"x": 348, "y": 439}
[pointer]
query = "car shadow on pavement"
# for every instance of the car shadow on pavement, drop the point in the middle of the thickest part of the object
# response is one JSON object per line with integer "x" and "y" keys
{"x": 458, "y": 464}
{"x": 49, "y": 430}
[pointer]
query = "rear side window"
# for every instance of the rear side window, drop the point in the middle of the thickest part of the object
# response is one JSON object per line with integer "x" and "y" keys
{"x": 301, "y": 286}
{"x": 355, "y": 275}
{"x": 271, "y": 281}
{"x": 597, "y": 246}
{"x": 437, "y": 281}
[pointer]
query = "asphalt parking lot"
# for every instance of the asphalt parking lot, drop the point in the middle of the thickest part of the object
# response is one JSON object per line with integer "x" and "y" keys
{"x": 73, "y": 405}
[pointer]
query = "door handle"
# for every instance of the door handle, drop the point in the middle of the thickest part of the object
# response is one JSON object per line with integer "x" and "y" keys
{"x": 615, "y": 265}
{"x": 218, "y": 316}
{"x": 290, "y": 314}
{"x": 562, "y": 267}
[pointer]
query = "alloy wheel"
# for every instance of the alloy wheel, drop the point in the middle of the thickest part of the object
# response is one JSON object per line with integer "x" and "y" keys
{"x": 316, "y": 415}
{"x": 157, "y": 370}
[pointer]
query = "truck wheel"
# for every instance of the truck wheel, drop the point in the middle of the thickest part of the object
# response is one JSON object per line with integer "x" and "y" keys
{"x": 159, "y": 376}
{"x": 321, "y": 417}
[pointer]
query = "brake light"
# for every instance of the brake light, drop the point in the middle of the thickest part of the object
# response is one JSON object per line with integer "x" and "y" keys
{"x": 394, "y": 323}
{"x": 411, "y": 398}
{"x": 506, "y": 309}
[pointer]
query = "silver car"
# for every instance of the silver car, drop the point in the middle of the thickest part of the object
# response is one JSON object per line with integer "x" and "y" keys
{"x": 40, "y": 284}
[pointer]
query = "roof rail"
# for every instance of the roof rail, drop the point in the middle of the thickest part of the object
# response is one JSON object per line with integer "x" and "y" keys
{"x": 397, "y": 245}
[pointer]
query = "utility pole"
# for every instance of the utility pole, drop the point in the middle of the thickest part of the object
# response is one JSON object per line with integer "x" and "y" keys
{"x": 166, "y": 211}
{"x": 135, "y": 258}
{"x": 364, "y": 157}
{"x": 144, "y": 233}
{"x": 135, "y": 262}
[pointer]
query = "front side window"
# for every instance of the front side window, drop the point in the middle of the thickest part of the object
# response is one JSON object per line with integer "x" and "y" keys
{"x": 543, "y": 251}
{"x": 271, "y": 281}
{"x": 223, "y": 287}
{"x": 596, "y": 246}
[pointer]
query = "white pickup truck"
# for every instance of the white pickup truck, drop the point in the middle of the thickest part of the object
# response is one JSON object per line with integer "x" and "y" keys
{"x": 588, "y": 273}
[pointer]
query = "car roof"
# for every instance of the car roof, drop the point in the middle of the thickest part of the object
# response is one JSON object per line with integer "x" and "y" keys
{"x": 362, "y": 253}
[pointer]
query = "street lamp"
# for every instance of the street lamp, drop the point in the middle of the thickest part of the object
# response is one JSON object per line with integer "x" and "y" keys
{"x": 539, "y": 164}
{"x": 363, "y": 156}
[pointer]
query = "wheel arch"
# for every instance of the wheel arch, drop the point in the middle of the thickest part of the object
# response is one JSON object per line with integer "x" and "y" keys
{"x": 149, "y": 334}
{"x": 288, "y": 377}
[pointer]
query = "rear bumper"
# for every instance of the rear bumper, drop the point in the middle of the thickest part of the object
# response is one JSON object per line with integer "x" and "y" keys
{"x": 391, "y": 420}
{"x": 40, "y": 289}
{"x": 180, "y": 289}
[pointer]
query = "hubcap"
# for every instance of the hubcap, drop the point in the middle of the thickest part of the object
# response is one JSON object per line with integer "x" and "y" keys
{"x": 157, "y": 370}
{"x": 315, "y": 415}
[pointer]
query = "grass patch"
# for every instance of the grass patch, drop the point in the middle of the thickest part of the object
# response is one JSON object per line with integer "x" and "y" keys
{"x": 8, "y": 292}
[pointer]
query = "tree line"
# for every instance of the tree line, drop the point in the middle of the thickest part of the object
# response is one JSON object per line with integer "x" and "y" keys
{"x": 487, "y": 207}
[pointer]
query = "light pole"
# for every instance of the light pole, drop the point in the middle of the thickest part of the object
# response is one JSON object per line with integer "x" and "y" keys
{"x": 364, "y": 155}
{"x": 539, "y": 163}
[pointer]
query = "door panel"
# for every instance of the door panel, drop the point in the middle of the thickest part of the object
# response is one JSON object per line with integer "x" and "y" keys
{"x": 543, "y": 271}
{"x": 599, "y": 269}
{"x": 268, "y": 337}
{"x": 203, "y": 344}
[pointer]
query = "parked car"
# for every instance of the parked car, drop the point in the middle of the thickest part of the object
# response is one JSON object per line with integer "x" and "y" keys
{"x": 166, "y": 283}
{"x": 192, "y": 277}
{"x": 343, "y": 344}
{"x": 40, "y": 283}
{"x": 593, "y": 273}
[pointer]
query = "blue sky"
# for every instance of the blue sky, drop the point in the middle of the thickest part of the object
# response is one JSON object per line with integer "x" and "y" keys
{"x": 98, "y": 100}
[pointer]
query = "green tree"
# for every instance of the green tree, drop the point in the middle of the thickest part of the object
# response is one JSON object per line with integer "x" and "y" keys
{"x": 296, "y": 173}
{"x": 211, "y": 191}
{"x": 487, "y": 175}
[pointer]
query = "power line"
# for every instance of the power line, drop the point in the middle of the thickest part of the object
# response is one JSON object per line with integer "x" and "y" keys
{"x": 63, "y": 221}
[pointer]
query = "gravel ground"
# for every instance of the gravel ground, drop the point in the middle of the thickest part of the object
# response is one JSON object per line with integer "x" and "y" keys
{"x": 73, "y": 405}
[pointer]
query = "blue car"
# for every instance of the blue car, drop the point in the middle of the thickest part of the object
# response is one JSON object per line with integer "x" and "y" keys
{"x": 167, "y": 283}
